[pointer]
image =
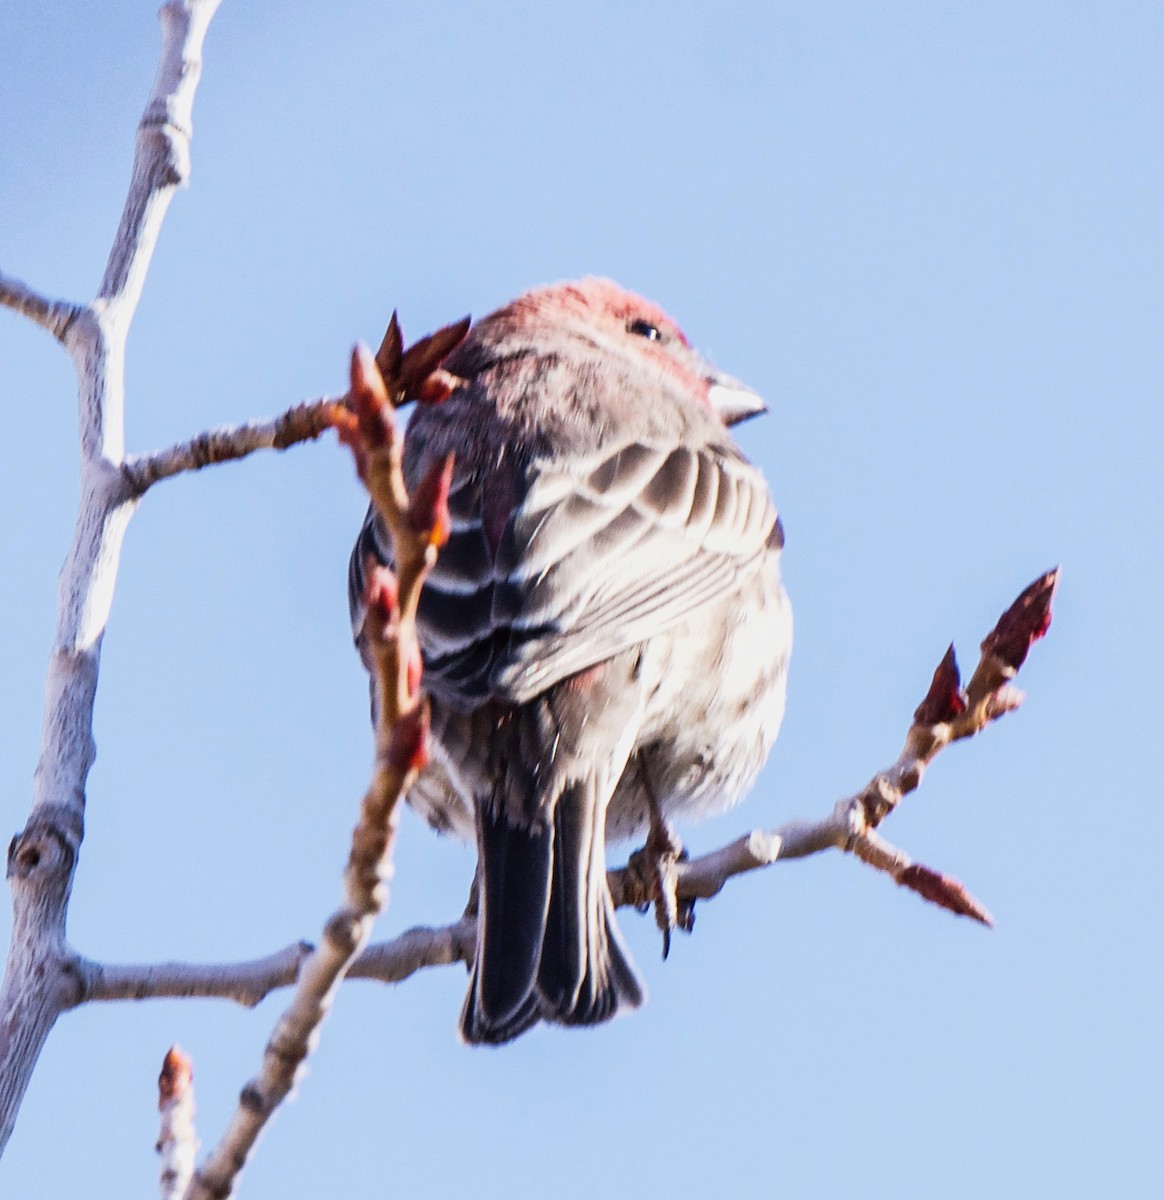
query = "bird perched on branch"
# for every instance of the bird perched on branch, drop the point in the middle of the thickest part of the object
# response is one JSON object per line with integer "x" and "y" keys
{"x": 605, "y": 636}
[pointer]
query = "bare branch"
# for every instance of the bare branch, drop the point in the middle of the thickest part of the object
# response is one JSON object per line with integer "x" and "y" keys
{"x": 249, "y": 983}
{"x": 39, "y": 982}
{"x": 177, "y": 1141}
{"x": 53, "y": 316}
{"x": 303, "y": 423}
{"x": 415, "y": 949}
{"x": 162, "y": 162}
{"x": 246, "y": 983}
{"x": 401, "y": 736}
{"x": 947, "y": 714}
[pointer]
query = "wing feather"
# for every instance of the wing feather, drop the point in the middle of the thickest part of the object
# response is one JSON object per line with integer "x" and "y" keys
{"x": 599, "y": 553}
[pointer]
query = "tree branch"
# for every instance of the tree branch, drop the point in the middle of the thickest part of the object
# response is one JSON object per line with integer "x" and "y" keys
{"x": 303, "y": 423}
{"x": 415, "y": 949}
{"x": 39, "y": 979}
{"x": 53, "y": 316}
{"x": 247, "y": 983}
{"x": 947, "y": 714}
{"x": 419, "y": 525}
{"x": 162, "y": 162}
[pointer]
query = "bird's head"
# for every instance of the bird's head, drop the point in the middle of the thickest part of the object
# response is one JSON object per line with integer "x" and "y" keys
{"x": 598, "y": 318}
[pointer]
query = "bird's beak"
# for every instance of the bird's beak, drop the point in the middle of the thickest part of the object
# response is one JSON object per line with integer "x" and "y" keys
{"x": 732, "y": 401}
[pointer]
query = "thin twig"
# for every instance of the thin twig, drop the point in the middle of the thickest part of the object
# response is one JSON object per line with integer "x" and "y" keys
{"x": 246, "y": 983}
{"x": 303, "y": 423}
{"x": 947, "y": 714}
{"x": 162, "y": 162}
{"x": 177, "y": 1140}
{"x": 419, "y": 525}
{"x": 53, "y": 316}
{"x": 249, "y": 983}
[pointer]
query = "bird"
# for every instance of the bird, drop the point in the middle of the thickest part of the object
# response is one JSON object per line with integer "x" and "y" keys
{"x": 605, "y": 636}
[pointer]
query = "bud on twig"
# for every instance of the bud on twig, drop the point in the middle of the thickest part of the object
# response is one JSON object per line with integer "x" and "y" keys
{"x": 415, "y": 374}
{"x": 391, "y": 352}
{"x": 1027, "y": 620}
{"x": 176, "y": 1076}
{"x": 366, "y": 423}
{"x": 428, "y": 510}
{"x": 381, "y": 598}
{"x": 414, "y": 667}
{"x": 369, "y": 396}
{"x": 177, "y": 1139}
{"x": 945, "y": 700}
{"x": 438, "y": 387}
{"x": 944, "y": 891}
{"x": 423, "y": 359}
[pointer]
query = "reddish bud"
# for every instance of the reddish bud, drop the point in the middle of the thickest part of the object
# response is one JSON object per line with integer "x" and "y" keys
{"x": 422, "y": 360}
{"x": 428, "y": 510}
{"x": 391, "y": 352}
{"x": 945, "y": 700}
{"x": 438, "y": 387}
{"x": 408, "y": 745}
{"x": 381, "y": 598}
{"x": 369, "y": 400}
{"x": 1027, "y": 620}
{"x": 177, "y": 1075}
{"x": 944, "y": 891}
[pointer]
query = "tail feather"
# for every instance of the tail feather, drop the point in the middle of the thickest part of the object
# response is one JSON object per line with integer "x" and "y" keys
{"x": 516, "y": 866}
{"x": 547, "y": 944}
{"x": 585, "y": 975}
{"x": 479, "y": 1029}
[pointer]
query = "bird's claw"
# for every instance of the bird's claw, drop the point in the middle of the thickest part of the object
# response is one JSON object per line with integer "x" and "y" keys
{"x": 653, "y": 869}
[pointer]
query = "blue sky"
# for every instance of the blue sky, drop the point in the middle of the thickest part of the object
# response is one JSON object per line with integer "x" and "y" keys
{"x": 930, "y": 235}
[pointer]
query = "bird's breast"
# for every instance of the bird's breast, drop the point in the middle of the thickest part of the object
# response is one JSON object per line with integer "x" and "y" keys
{"x": 716, "y": 708}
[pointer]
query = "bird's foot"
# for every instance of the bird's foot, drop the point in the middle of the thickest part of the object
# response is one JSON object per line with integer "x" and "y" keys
{"x": 653, "y": 870}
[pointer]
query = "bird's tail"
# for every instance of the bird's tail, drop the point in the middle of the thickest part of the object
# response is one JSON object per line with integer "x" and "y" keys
{"x": 548, "y": 947}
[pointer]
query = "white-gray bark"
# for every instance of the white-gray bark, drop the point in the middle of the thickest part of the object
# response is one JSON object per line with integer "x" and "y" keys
{"x": 40, "y": 979}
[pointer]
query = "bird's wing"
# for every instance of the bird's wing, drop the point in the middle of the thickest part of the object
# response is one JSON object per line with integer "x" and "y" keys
{"x": 555, "y": 566}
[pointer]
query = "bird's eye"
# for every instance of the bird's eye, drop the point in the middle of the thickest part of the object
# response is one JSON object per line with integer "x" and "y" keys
{"x": 644, "y": 329}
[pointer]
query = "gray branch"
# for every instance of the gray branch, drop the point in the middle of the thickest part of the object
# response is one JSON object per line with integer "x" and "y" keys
{"x": 53, "y": 316}
{"x": 40, "y": 978}
{"x": 303, "y": 423}
{"x": 248, "y": 983}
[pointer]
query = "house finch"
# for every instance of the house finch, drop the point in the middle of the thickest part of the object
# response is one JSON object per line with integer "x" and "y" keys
{"x": 605, "y": 635}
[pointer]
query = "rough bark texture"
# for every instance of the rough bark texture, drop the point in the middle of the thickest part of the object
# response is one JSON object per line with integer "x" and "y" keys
{"x": 41, "y": 978}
